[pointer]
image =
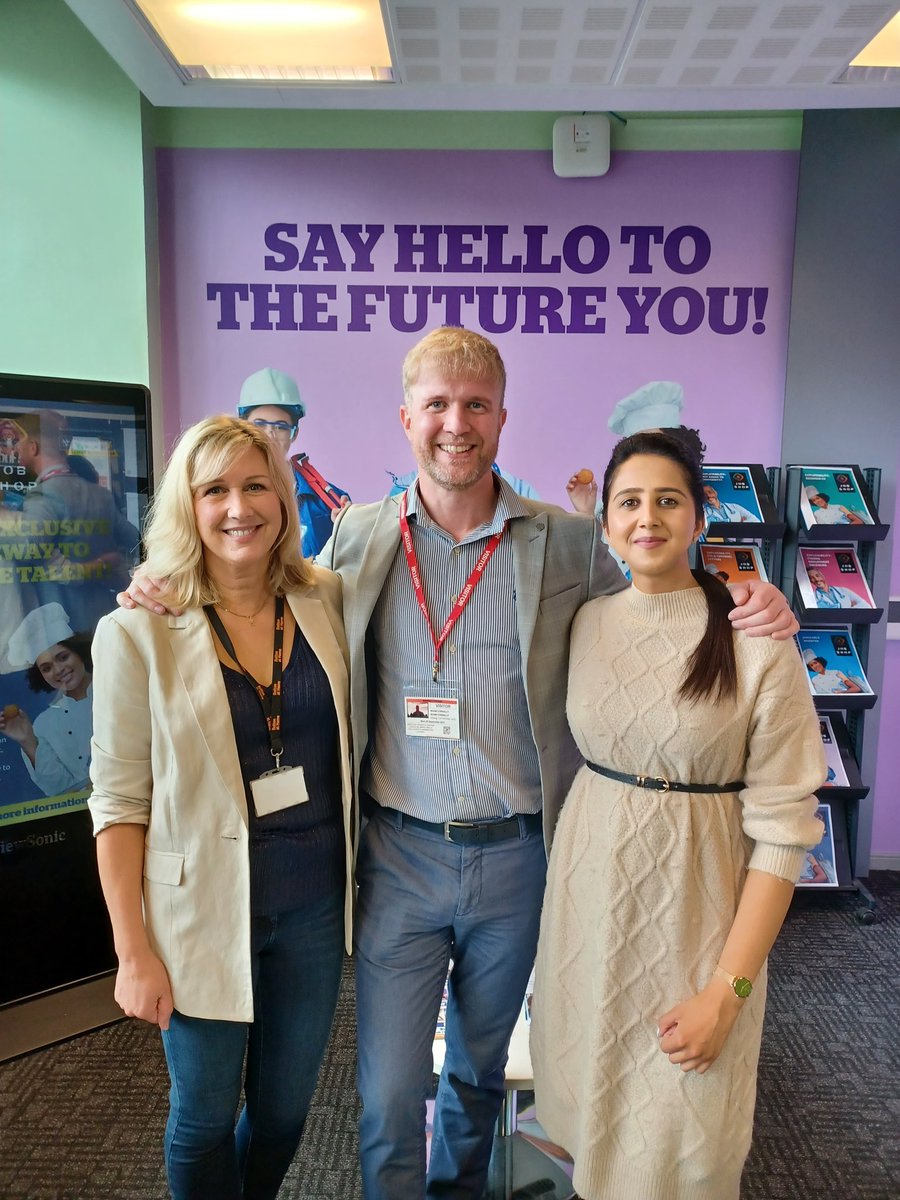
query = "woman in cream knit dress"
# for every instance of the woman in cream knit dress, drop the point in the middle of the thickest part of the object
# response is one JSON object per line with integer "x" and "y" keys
{"x": 644, "y": 1048}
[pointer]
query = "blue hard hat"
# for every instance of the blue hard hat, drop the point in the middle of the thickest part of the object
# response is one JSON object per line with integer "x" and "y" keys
{"x": 269, "y": 386}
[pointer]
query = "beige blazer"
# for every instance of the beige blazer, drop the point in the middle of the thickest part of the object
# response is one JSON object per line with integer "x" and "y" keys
{"x": 163, "y": 755}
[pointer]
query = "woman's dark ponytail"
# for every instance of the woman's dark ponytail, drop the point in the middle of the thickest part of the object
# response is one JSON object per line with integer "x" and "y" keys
{"x": 712, "y": 668}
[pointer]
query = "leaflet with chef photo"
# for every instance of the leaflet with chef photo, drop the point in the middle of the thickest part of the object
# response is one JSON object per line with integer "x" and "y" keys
{"x": 833, "y": 667}
{"x": 832, "y": 496}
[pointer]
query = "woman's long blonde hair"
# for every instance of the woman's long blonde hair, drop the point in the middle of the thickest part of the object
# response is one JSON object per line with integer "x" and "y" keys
{"x": 174, "y": 551}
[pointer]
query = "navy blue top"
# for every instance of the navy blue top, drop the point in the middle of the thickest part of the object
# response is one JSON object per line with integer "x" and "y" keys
{"x": 296, "y": 854}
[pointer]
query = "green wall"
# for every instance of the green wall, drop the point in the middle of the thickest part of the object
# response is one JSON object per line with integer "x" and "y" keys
{"x": 73, "y": 279}
{"x": 325, "y": 129}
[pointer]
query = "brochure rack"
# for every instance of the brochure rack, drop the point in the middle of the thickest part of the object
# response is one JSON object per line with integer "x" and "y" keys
{"x": 837, "y": 505}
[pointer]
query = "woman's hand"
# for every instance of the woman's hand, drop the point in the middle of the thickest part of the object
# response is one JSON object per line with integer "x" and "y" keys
{"x": 143, "y": 989}
{"x": 693, "y": 1033}
{"x": 18, "y": 728}
{"x": 583, "y": 496}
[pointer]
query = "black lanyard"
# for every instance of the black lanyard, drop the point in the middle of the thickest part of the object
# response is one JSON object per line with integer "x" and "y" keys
{"x": 269, "y": 697}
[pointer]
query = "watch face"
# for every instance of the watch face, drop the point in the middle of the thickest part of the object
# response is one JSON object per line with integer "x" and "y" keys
{"x": 742, "y": 987}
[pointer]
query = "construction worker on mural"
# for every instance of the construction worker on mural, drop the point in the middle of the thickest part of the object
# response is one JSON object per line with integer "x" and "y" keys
{"x": 271, "y": 400}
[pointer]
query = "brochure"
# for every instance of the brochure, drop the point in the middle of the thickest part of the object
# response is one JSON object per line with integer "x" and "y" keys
{"x": 832, "y": 664}
{"x": 820, "y": 869}
{"x": 730, "y": 497}
{"x": 831, "y": 577}
{"x": 831, "y": 496}
{"x": 732, "y": 563}
{"x": 837, "y": 776}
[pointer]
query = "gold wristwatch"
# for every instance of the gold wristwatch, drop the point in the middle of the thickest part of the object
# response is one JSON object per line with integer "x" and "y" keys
{"x": 739, "y": 984}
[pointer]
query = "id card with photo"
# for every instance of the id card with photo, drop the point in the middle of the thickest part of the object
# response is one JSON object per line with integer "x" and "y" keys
{"x": 279, "y": 789}
{"x": 435, "y": 716}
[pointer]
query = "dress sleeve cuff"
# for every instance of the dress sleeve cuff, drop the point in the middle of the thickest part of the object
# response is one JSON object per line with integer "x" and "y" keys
{"x": 784, "y": 861}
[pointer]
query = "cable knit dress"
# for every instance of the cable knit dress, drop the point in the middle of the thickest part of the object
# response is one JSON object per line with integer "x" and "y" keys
{"x": 643, "y": 887}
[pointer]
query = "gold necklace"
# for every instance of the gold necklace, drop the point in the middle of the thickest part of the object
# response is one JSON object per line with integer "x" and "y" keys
{"x": 251, "y": 617}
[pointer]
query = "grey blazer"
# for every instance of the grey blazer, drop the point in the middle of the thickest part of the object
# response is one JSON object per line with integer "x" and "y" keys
{"x": 560, "y": 562}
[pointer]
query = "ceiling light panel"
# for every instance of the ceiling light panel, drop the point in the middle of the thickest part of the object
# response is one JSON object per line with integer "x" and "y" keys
{"x": 884, "y": 48}
{"x": 243, "y": 38}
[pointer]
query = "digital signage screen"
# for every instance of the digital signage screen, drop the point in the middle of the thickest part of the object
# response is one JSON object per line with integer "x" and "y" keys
{"x": 74, "y": 485}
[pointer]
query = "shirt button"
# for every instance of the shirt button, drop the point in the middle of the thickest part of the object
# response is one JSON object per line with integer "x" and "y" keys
{"x": 452, "y": 648}
{"x": 460, "y": 799}
{"x": 456, "y": 551}
{"x": 457, "y": 751}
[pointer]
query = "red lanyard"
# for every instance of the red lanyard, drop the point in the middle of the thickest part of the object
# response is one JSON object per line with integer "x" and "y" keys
{"x": 461, "y": 600}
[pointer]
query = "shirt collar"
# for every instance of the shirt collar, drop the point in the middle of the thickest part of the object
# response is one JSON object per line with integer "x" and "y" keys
{"x": 509, "y": 506}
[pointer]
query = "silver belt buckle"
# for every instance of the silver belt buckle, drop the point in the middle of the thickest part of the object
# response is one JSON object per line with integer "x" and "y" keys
{"x": 448, "y": 825}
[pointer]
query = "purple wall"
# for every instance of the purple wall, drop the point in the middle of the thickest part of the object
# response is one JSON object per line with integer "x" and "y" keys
{"x": 256, "y": 270}
{"x": 231, "y": 221}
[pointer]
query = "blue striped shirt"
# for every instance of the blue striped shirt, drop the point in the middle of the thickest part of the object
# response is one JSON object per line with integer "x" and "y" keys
{"x": 492, "y": 770}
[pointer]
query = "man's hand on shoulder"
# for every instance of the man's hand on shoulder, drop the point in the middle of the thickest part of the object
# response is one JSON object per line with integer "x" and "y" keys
{"x": 762, "y": 610}
{"x": 144, "y": 592}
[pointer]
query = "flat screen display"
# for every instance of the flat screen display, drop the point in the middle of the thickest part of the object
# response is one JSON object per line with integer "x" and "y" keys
{"x": 74, "y": 486}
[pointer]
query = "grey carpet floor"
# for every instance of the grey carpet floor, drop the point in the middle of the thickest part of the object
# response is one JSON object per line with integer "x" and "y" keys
{"x": 84, "y": 1120}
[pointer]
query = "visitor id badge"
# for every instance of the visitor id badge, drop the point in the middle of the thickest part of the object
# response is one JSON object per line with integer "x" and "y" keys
{"x": 279, "y": 789}
{"x": 432, "y": 716}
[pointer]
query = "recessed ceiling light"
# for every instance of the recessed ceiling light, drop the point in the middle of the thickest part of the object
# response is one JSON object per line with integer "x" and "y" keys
{"x": 308, "y": 16}
{"x": 884, "y": 48}
{"x": 274, "y": 41}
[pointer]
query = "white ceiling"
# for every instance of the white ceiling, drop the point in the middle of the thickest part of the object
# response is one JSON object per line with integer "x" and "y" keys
{"x": 630, "y": 55}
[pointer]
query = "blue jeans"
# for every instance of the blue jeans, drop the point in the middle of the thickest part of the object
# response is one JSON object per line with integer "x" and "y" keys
{"x": 297, "y": 960}
{"x": 421, "y": 901}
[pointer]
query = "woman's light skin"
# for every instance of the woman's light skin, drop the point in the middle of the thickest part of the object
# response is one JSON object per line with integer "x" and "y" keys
{"x": 651, "y": 522}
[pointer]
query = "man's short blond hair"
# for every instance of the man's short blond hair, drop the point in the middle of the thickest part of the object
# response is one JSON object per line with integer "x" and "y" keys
{"x": 459, "y": 354}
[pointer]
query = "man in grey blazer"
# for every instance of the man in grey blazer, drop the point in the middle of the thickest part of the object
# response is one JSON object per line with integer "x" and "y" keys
{"x": 462, "y": 594}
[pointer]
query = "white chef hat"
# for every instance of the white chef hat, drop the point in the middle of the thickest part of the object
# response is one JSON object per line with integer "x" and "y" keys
{"x": 812, "y": 491}
{"x": 809, "y": 655}
{"x": 42, "y": 627}
{"x": 653, "y": 406}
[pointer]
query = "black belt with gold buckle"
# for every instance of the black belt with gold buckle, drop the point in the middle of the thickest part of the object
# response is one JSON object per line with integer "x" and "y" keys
{"x": 657, "y": 783}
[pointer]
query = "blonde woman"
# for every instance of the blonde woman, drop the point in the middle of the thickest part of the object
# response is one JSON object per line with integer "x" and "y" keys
{"x": 221, "y": 805}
